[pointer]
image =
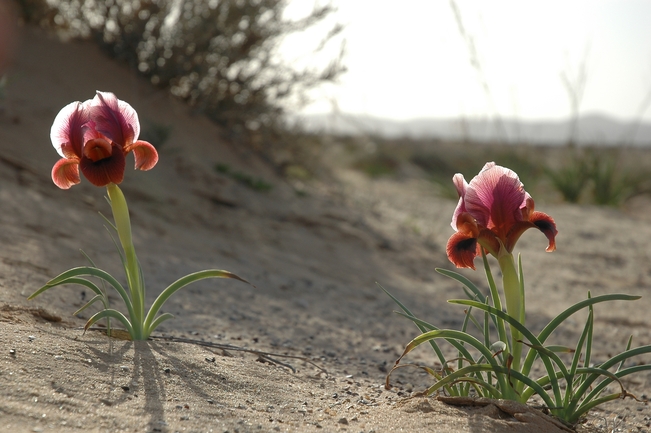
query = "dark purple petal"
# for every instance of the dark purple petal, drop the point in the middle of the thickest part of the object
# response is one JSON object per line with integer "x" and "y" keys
{"x": 115, "y": 119}
{"x": 106, "y": 170}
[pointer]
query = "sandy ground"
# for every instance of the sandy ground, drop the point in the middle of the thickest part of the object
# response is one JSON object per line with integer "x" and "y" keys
{"x": 314, "y": 259}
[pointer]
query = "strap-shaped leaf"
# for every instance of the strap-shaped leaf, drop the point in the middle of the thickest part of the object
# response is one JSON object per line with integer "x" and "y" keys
{"x": 160, "y": 319}
{"x": 591, "y": 401}
{"x": 91, "y": 302}
{"x": 179, "y": 284}
{"x": 545, "y": 355}
{"x": 463, "y": 280}
{"x": 110, "y": 313}
{"x": 558, "y": 320}
{"x": 64, "y": 277}
{"x": 586, "y": 385}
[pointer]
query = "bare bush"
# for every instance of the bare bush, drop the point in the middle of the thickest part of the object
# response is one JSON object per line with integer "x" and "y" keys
{"x": 218, "y": 55}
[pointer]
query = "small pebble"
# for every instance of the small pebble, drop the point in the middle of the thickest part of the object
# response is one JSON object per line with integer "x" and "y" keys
{"x": 31, "y": 338}
{"x": 343, "y": 421}
{"x": 124, "y": 368}
{"x": 125, "y": 388}
{"x": 12, "y": 352}
{"x": 168, "y": 370}
{"x": 211, "y": 359}
{"x": 58, "y": 357}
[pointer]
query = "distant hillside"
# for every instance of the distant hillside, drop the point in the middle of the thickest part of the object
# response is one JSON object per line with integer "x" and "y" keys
{"x": 591, "y": 129}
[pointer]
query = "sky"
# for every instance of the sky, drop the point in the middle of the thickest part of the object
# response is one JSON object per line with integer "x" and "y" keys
{"x": 409, "y": 59}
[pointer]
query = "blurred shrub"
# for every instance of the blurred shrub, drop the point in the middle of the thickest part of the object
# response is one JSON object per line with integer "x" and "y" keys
{"x": 570, "y": 178}
{"x": 377, "y": 165}
{"x": 612, "y": 183}
{"x": 441, "y": 163}
{"x": 442, "y": 166}
{"x": 526, "y": 161}
{"x": 602, "y": 176}
{"x": 218, "y": 55}
{"x": 255, "y": 183}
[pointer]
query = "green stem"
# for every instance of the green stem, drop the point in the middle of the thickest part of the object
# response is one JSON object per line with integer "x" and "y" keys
{"x": 514, "y": 302}
{"x": 123, "y": 225}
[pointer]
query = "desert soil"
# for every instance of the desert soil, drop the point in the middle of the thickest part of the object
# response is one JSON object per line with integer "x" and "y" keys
{"x": 314, "y": 259}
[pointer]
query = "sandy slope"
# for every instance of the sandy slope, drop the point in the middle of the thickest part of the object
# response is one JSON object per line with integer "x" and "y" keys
{"x": 314, "y": 261}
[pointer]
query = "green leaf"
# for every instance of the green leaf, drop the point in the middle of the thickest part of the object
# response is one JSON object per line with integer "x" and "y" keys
{"x": 495, "y": 296}
{"x": 546, "y": 332}
{"x": 558, "y": 320}
{"x": 463, "y": 280}
{"x": 179, "y": 284}
{"x": 110, "y": 313}
{"x": 545, "y": 355}
{"x": 425, "y": 327}
{"x": 160, "y": 319}
{"x": 422, "y": 325}
{"x": 585, "y": 386}
{"x": 502, "y": 371}
{"x": 448, "y": 333}
{"x": 591, "y": 401}
{"x": 577, "y": 355}
{"x": 69, "y": 277}
{"x": 89, "y": 303}
{"x": 81, "y": 282}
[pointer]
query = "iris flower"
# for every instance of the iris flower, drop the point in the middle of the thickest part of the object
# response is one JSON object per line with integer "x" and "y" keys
{"x": 95, "y": 136}
{"x": 493, "y": 212}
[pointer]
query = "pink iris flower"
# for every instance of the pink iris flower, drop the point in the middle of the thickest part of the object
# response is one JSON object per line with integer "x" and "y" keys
{"x": 493, "y": 212}
{"x": 95, "y": 136}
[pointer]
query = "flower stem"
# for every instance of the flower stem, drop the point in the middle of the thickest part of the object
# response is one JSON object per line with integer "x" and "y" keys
{"x": 514, "y": 302}
{"x": 123, "y": 225}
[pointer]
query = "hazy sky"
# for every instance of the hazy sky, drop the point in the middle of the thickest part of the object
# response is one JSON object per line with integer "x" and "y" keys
{"x": 409, "y": 59}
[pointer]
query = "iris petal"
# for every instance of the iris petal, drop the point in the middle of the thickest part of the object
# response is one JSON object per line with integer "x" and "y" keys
{"x": 538, "y": 220}
{"x": 68, "y": 129}
{"x": 547, "y": 225}
{"x": 461, "y": 185}
{"x": 462, "y": 248}
{"x": 144, "y": 154}
{"x": 97, "y": 149}
{"x": 104, "y": 171}
{"x": 489, "y": 241}
{"x": 494, "y": 197}
{"x": 115, "y": 119}
{"x": 65, "y": 173}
